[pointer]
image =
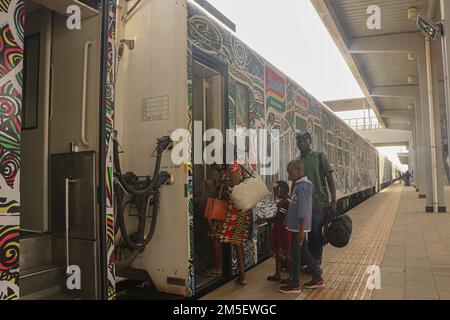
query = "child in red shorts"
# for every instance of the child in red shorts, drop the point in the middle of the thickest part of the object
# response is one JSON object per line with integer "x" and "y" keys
{"x": 280, "y": 238}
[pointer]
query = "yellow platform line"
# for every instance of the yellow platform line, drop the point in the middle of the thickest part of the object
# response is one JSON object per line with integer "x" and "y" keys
{"x": 345, "y": 274}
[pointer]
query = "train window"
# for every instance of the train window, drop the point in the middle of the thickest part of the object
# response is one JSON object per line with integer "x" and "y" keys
{"x": 242, "y": 102}
{"x": 31, "y": 82}
{"x": 317, "y": 139}
{"x": 339, "y": 151}
{"x": 330, "y": 149}
{"x": 300, "y": 124}
{"x": 330, "y": 153}
{"x": 346, "y": 154}
{"x": 330, "y": 138}
{"x": 271, "y": 179}
{"x": 285, "y": 156}
{"x": 242, "y": 106}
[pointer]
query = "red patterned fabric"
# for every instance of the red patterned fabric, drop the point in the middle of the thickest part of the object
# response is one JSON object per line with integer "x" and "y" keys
{"x": 235, "y": 228}
{"x": 281, "y": 237}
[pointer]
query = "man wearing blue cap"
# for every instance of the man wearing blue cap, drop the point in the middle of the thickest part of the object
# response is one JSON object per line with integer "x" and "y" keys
{"x": 318, "y": 170}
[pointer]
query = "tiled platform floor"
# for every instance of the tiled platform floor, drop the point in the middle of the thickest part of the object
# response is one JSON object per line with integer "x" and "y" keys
{"x": 390, "y": 230}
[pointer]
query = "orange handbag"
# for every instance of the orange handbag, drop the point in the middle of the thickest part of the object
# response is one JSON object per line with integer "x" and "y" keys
{"x": 216, "y": 209}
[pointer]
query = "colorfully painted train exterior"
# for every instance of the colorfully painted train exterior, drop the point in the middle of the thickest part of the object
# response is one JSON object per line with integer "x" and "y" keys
{"x": 277, "y": 102}
{"x": 256, "y": 95}
{"x": 151, "y": 95}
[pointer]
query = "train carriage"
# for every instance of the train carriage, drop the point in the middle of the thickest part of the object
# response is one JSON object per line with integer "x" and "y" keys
{"x": 219, "y": 80}
{"x": 79, "y": 101}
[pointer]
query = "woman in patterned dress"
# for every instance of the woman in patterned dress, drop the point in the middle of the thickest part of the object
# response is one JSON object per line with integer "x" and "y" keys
{"x": 234, "y": 230}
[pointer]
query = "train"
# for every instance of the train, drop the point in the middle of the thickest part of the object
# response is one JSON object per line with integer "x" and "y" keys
{"x": 95, "y": 186}
{"x": 218, "y": 79}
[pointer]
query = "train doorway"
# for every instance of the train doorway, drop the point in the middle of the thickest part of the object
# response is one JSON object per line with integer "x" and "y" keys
{"x": 209, "y": 107}
{"x": 35, "y": 123}
{"x": 60, "y": 142}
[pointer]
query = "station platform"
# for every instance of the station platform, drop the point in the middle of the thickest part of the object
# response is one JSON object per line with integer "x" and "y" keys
{"x": 391, "y": 231}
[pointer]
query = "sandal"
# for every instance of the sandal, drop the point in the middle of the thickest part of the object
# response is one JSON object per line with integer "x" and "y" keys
{"x": 274, "y": 278}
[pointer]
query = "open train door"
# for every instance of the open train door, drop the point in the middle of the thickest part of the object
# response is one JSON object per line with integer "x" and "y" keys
{"x": 56, "y": 104}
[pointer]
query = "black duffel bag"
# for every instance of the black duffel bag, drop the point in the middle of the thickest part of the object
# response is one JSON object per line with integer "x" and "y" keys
{"x": 339, "y": 231}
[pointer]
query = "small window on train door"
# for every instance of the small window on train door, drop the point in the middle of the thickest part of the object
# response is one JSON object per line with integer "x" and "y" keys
{"x": 31, "y": 82}
{"x": 301, "y": 124}
{"x": 242, "y": 101}
{"x": 242, "y": 106}
{"x": 317, "y": 139}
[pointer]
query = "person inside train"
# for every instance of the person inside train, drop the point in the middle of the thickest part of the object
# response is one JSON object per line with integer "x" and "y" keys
{"x": 298, "y": 222}
{"x": 235, "y": 228}
{"x": 280, "y": 241}
{"x": 320, "y": 173}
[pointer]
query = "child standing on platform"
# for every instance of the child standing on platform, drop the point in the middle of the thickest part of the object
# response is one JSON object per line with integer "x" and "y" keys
{"x": 280, "y": 241}
{"x": 298, "y": 222}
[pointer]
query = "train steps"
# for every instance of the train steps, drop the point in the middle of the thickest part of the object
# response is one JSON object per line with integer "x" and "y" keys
{"x": 41, "y": 275}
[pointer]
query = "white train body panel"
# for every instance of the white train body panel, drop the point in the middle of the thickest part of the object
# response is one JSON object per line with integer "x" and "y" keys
{"x": 151, "y": 102}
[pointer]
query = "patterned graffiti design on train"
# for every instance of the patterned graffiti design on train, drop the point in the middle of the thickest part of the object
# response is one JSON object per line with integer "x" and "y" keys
{"x": 11, "y": 66}
{"x": 276, "y": 102}
{"x": 9, "y": 262}
{"x": 189, "y": 187}
{"x": 206, "y": 36}
{"x": 110, "y": 102}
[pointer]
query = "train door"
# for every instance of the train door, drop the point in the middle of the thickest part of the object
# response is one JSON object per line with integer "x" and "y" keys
{"x": 59, "y": 219}
{"x": 208, "y": 113}
{"x": 35, "y": 122}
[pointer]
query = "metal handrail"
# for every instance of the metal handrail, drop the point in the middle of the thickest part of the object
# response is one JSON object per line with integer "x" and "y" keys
{"x": 67, "y": 182}
{"x": 84, "y": 94}
{"x": 363, "y": 124}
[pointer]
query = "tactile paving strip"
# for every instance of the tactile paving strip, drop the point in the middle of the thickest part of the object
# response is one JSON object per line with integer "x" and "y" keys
{"x": 345, "y": 275}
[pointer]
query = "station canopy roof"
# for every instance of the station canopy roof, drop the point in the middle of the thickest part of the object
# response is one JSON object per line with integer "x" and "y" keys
{"x": 378, "y": 71}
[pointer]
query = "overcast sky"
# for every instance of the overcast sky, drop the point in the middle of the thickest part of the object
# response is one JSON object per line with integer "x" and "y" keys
{"x": 292, "y": 37}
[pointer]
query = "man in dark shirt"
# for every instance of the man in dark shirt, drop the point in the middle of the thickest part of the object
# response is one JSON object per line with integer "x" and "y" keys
{"x": 407, "y": 178}
{"x": 318, "y": 170}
